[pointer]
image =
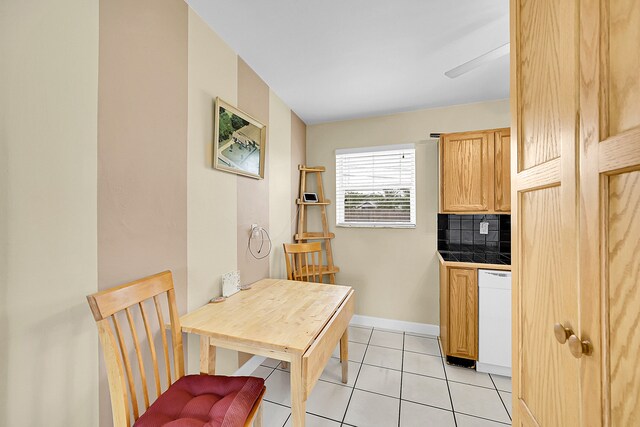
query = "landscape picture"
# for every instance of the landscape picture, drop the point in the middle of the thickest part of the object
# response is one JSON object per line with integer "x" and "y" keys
{"x": 239, "y": 141}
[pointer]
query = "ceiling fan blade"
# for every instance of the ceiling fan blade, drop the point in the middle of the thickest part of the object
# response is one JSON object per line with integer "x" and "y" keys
{"x": 480, "y": 60}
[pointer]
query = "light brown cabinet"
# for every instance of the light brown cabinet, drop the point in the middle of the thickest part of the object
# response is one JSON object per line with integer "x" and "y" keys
{"x": 459, "y": 307}
{"x": 463, "y": 313}
{"x": 475, "y": 172}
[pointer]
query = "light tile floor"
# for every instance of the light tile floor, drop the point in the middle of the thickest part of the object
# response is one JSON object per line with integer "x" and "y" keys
{"x": 395, "y": 380}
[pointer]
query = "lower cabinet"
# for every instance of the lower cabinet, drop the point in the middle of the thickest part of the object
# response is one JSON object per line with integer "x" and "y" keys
{"x": 459, "y": 311}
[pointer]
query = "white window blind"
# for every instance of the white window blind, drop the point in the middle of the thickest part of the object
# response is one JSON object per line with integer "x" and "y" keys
{"x": 376, "y": 186}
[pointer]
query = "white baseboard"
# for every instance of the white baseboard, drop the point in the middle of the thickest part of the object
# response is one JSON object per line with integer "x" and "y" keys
{"x": 249, "y": 366}
{"x": 488, "y": 368}
{"x": 397, "y": 325}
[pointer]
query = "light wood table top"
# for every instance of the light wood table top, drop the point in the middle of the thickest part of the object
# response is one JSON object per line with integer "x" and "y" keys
{"x": 282, "y": 315}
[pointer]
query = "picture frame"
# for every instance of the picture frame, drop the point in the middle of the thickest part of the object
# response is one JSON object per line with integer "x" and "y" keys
{"x": 239, "y": 141}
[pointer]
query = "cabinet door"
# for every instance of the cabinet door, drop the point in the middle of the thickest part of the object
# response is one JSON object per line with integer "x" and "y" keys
{"x": 502, "y": 170}
{"x": 463, "y": 313}
{"x": 464, "y": 172}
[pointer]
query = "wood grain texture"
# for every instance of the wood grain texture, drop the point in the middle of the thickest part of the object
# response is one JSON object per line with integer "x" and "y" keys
{"x": 624, "y": 297}
{"x": 594, "y": 398}
{"x": 463, "y": 313}
{"x": 464, "y": 166}
{"x": 547, "y": 372}
{"x": 543, "y": 80}
{"x": 444, "y": 306}
{"x": 621, "y": 151}
{"x": 502, "y": 171}
{"x": 472, "y": 265}
{"x": 284, "y": 316}
{"x": 624, "y": 63}
{"x": 316, "y": 357}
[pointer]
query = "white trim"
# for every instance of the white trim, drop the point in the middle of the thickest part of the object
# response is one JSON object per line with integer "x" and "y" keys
{"x": 392, "y": 147}
{"x": 398, "y": 325}
{"x": 249, "y": 366}
{"x": 488, "y": 368}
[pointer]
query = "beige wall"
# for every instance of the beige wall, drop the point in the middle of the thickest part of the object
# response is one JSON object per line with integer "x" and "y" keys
{"x": 253, "y": 194}
{"x": 222, "y": 206}
{"x": 48, "y": 231}
{"x": 280, "y": 189}
{"x": 142, "y": 147}
{"x": 212, "y": 194}
{"x": 395, "y": 271}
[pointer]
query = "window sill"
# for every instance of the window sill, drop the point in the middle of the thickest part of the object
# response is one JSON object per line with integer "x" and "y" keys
{"x": 376, "y": 225}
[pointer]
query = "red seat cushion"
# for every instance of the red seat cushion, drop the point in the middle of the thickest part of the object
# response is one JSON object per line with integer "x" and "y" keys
{"x": 204, "y": 401}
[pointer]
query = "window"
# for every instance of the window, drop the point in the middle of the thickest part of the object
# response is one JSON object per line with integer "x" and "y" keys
{"x": 376, "y": 186}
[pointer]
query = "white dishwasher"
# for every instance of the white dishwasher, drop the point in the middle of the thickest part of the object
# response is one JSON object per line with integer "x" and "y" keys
{"x": 494, "y": 329}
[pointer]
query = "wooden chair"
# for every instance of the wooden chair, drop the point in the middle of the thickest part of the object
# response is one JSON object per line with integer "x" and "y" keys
{"x": 110, "y": 308}
{"x": 304, "y": 261}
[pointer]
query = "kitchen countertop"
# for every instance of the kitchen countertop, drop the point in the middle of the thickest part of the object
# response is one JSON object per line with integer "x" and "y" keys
{"x": 485, "y": 260}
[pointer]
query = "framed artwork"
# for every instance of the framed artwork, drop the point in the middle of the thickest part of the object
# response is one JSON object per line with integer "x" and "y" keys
{"x": 240, "y": 141}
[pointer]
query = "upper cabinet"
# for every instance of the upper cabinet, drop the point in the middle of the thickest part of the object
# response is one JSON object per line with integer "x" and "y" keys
{"x": 475, "y": 172}
{"x": 502, "y": 170}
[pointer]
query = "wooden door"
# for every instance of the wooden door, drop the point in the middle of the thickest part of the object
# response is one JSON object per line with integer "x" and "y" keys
{"x": 463, "y": 313}
{"x": 465, "y": 172}
{"x": 576, "y": 203}
{"x": 610, "y": 210}
{"x": 502, "y": 170}
{"x": 546, "y": 377}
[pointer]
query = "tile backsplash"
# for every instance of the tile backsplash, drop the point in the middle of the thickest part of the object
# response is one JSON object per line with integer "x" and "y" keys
{"x": 462, "y": 233}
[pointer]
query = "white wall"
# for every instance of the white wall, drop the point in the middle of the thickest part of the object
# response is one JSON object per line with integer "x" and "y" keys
{"x": 395, "y": 271}
{"x": 48, "y": 226}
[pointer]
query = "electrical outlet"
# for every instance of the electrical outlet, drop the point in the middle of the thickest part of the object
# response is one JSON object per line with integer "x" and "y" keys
{"x": 484, "y": 228}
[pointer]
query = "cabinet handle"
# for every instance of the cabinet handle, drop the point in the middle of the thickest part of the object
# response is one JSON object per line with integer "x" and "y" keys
{"x": 562, "y": 334}
{"x": 579, "y": 348}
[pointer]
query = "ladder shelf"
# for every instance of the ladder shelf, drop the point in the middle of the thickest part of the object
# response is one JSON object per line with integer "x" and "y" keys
{"x": 325, "y": 235}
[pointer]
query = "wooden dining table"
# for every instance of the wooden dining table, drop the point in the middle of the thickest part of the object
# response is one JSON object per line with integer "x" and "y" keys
{"x": 296, "y": 322}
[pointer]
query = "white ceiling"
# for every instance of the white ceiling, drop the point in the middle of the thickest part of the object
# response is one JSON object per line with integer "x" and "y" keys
{"x": 340, "y": 59}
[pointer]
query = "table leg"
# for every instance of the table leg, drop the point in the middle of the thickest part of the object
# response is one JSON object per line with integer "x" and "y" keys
{"x": 298, "y": 401}
{"x": 344, "y": 355}
{"x": 207, "y": 357}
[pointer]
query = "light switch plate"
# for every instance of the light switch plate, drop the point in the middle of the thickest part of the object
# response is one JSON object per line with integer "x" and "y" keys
{"x": 484, "y": 228}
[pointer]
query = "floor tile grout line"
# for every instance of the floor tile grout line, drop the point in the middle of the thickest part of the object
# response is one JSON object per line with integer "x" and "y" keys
{"x": 500, "y": 396}
{"x": 356, "y": 379}
{"x": 453, "y": 409}
{"x": 482, "y": 418}
{"x": 401, "y": 377}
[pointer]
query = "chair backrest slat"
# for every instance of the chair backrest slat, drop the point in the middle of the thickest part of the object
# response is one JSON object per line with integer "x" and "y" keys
{"x": 165, "y": 346}
{"x": 304, "y": 261}
{"x": 152, "y": 348}
{"x": 176, "y": 335}
{"x": 127, "y": 366}
{"x": 107, "y": 307}
{"x": 136, "y": 345}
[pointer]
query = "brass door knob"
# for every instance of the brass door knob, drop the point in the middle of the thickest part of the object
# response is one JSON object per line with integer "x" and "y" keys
{"x": 562, "y": 334}
{"x": 579, "y": 348}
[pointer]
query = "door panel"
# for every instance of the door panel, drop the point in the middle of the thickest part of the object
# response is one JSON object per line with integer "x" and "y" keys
{"x": 624, "y": 297}
{"x": 463, "y": 313}
{"x": 548, "y": 82}
{"x": 465, "y": 172}
{"x": 547, "y": 370}
{"x": 624, "y": 63}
